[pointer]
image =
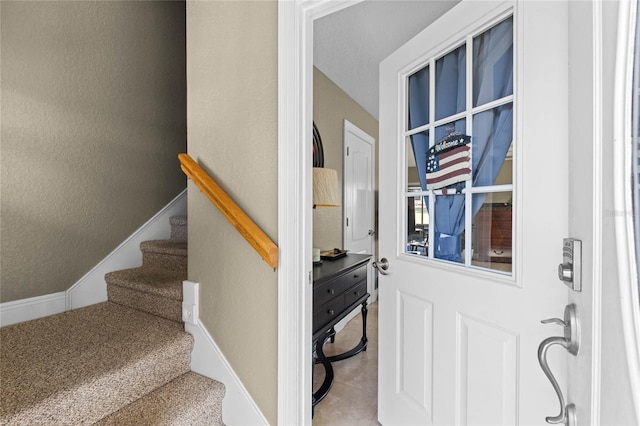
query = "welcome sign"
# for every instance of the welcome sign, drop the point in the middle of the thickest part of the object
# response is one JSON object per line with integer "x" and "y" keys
{"x": 449, "y": 162}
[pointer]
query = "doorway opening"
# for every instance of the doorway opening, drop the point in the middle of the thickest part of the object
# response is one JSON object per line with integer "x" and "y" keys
{"x": 340, "y": 38}
{"x": 295, "y": 106}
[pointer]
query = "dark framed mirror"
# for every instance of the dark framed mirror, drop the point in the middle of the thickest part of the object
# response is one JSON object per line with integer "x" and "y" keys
{"x": 318, "y": 151}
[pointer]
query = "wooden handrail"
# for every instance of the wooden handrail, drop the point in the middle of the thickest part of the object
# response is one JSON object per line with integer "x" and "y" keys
{"x": 266, "y": 248}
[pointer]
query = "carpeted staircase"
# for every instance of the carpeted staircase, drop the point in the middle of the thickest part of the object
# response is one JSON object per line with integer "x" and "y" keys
{"x": 122, "y": 362}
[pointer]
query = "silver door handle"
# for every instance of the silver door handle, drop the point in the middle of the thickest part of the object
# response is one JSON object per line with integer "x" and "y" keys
{"x": 571, "y": 342}
{"x": 382, "y": 265}
{"x": 372, "y": 232}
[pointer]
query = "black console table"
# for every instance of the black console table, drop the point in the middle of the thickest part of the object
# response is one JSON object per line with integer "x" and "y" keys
{"x": 339, "y": 286}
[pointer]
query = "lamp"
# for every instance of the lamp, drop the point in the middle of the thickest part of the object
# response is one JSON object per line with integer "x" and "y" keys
{"x": 325, "y": 188}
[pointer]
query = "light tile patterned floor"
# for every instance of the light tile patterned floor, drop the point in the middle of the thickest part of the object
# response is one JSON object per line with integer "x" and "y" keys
{"x": 353, "y": 399}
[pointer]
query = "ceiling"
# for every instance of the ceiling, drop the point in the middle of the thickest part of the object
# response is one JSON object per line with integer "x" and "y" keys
{"x": 349, "y": 45}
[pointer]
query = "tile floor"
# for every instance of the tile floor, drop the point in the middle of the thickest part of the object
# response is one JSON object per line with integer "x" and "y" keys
{"x": 353, "y": 399}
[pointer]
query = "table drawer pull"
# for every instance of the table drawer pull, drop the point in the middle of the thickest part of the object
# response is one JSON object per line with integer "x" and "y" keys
{"x": 341, "y": 285}
{"x": 331, "y": 312}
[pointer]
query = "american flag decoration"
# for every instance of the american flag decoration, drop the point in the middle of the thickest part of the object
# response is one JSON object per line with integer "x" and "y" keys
{"x": 449, "y": 161}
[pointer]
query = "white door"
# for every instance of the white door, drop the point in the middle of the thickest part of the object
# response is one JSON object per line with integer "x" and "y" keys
{"x": 465, "y": 291}
{"x": 359, "y": 195}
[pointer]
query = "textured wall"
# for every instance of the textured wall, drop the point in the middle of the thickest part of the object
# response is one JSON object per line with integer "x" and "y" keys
{"x": 93, "y": 116}
{"x": 232, "y": 93}
{"x": 331, "y": 106}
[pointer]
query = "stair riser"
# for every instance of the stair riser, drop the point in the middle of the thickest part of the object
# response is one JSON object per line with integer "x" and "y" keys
{"x": 145, "y": 302}
{"x": 179, "y": 232}
{"x": 165, "y": 261}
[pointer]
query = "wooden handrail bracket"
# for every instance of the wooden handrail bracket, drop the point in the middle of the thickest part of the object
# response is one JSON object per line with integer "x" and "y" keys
{"x": 261, "y": 243}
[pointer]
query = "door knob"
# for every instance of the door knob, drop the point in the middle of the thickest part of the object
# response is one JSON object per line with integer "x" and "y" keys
{"x": 382, "y": 265}
{"x": 371, "y": 232}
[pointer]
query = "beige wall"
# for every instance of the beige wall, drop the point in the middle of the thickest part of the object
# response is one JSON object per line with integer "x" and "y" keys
{"x": 331, "y": 106}
{"x": 232, "y": 123}
{"x": 93, "y": 116}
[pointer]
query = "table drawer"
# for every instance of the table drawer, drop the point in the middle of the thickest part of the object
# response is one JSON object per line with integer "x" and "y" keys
{"x": 325, "y": 313}
{"x": 354, "y": 293}
{"x": 333, "y": 288}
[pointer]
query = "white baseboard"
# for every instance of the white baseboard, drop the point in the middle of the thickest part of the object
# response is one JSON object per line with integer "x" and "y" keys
{"x": 92, "y": 288}
{"x": 32, "y": 308}
{"x": 344, "y": 321}
{"x": 238, "y": 408}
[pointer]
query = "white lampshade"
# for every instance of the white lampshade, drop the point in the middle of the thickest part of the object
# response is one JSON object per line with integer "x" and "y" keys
{"x": 325, "y": 188}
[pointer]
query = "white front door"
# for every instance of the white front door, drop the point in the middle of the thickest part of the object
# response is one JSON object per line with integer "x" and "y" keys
{"x": 359, "y": 195}
{"x": 473, "y": 232}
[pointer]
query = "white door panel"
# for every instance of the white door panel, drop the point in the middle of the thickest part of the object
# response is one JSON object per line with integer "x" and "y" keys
{"x": 415, "y": 323}
{"x": 486, "y": 363}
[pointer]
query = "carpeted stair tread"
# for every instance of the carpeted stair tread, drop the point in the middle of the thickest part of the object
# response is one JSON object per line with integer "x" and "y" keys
{"x": 161, "y": 282}
{"x": 165, "y": 254}
{"x": 170, "y": 247}
{"x": 191, "y": 399}
{"x": 178, "y": 220}
{"x": 77, "y": 367}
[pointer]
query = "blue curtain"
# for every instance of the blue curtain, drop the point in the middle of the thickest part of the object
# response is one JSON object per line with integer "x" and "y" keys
{"x": 418, "y": 116}
{"x": 492, "y": 130}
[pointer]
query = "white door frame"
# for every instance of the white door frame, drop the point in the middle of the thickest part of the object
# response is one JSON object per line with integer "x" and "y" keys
{"x": 295, "y": 108}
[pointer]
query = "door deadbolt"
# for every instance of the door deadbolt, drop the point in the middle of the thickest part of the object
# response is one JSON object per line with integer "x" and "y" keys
{"x": 570, "y": 270}
{"x": 565, "y": 272}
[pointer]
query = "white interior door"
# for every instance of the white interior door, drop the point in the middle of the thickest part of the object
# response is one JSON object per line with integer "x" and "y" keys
{"x": 473, "y": 264}
{"x": 359, "y": 195}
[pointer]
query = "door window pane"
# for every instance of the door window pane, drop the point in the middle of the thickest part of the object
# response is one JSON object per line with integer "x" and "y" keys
{"x": 459, "y": 126}
{"x": 492, "y": 231}
{"x": 418, "y": 225}
{"x": 451, "y": 87}
{"x": 419, "y": 98}
{"x": 492, "y": 139}
{"x": 417, "y": 159}
{"x": 449, "y": 224}
{"x": 493, "y": 63}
